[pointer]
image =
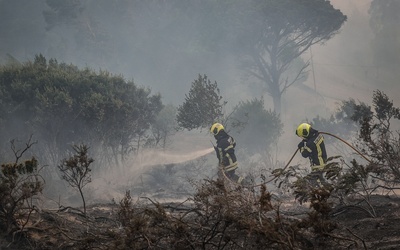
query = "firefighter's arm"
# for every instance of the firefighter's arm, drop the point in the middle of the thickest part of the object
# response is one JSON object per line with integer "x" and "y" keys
{"x": 304, "y": 149}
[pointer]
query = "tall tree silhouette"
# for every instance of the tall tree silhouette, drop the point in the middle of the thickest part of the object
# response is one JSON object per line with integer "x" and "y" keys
{"x": 273, "y": 34}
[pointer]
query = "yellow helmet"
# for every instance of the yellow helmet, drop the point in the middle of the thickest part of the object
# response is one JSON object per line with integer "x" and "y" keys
{"x": 303, "y": 130}
{"x": 215, "y": 128}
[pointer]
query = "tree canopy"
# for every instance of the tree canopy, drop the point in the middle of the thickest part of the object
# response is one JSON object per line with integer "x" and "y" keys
{"x": 255, "y": 127}
{"x": 62, "y": 105}
{"x": 202, "y": 106}
{"x": 273, "y": 34}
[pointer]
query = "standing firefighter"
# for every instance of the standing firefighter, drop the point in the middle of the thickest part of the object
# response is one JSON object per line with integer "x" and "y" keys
{"x": 313, "y": 147}
{"x": 225, "y": 150}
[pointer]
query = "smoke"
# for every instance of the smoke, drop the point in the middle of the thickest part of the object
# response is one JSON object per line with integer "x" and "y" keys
{"x": 157, "y": 53}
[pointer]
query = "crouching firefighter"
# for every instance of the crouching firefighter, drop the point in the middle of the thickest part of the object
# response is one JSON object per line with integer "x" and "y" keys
{"x": 225, "y": 150}
{"x": 313, "y": 147}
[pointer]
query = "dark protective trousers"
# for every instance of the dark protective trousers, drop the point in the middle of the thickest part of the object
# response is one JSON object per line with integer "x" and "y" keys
{"x": 316, "y": 179}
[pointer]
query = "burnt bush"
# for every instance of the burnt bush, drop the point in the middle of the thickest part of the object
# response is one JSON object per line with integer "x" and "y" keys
{"x": 222, "y": 215}
{"x": 20, "y": 182}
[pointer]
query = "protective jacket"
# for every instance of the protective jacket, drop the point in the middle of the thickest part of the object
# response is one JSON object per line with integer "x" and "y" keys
{"x": 225, "y": 150}
{"x": 313, "y": 147}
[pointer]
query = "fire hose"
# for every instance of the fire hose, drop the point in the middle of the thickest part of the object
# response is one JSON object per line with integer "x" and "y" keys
{"x": 348, "y": 144}
{"x": 276, "y": 176}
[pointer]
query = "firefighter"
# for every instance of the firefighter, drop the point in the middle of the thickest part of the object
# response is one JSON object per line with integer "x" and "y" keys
{"x": 225, "y": 150}
{"x": 313, "y": 147}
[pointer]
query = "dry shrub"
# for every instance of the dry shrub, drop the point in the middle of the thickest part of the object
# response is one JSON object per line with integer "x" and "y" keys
{"x": 20, "y": 183}
{"x": 221, "y": 215}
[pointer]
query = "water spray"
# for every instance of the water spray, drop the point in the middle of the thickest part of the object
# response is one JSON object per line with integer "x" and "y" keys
{"x": 167, "y": 158}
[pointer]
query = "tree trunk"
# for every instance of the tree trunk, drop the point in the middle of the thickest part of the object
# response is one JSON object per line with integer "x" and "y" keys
{"x": 276, "y": 98}
{"x": 83, "y": 199}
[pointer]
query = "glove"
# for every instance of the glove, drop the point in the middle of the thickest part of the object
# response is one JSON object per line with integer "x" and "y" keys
{"x": 301, "y": 146}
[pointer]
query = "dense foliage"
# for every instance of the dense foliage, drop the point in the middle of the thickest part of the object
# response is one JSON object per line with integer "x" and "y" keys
{"x": 256, "y": 129}
{"x": 202, "y": 106}
{"x": 164, "y": 126}
{"x": 62, "y": 105}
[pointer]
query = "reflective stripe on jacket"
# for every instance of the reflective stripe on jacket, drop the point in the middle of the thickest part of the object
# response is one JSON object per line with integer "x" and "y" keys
{"x": 226, "y": 151}
{"x": 313, "y": 148}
